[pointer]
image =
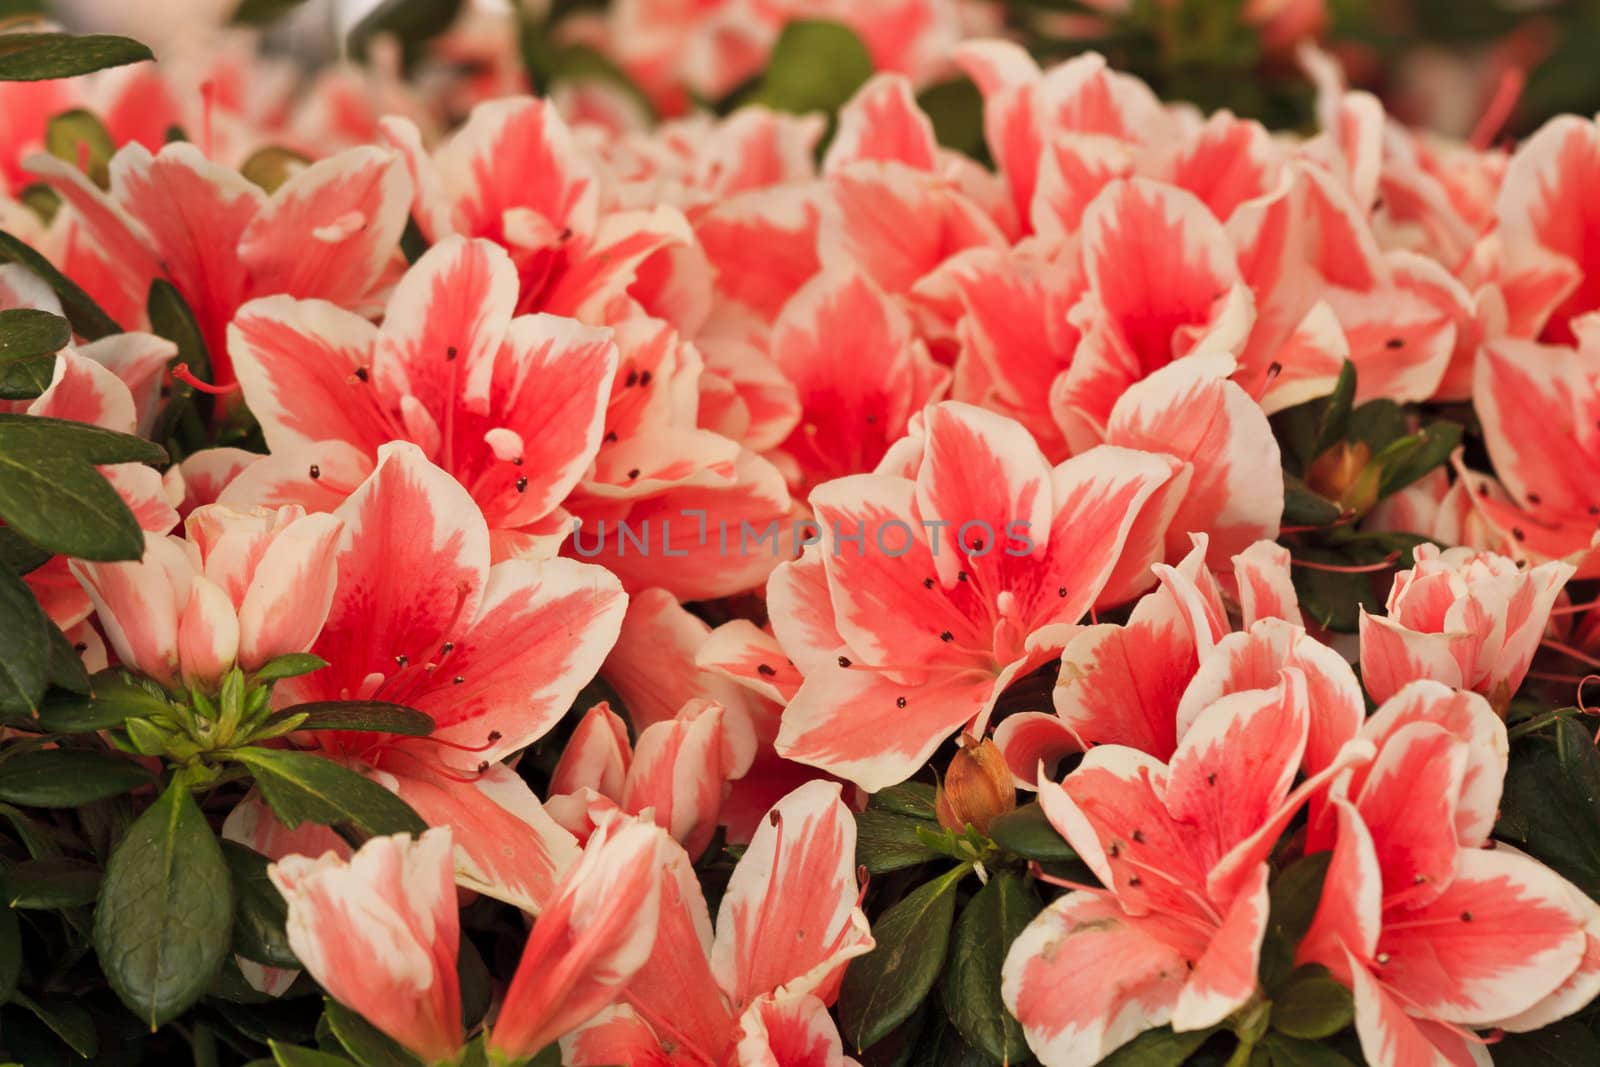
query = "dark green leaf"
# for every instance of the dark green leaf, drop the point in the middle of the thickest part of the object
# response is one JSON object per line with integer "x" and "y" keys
{"x": 369, "y": 716}
{"x": 908, "y": 798}
{"x": 1027, "y": 833}
{"x": 25, "y": 655}
{"x": 988, "y": 925}
{"x": 87, "y": 319}
{"x": 1288, "y": 1051}
{"x": 67, "y": 1019}
{"x": 477, "y": 984}
{"x": 294, "y": 1056}
{"x": 165, "y": 920}
{"x": 187, "y": 411}
{"x": 1333, "y": 421}
{"x": 19, "y": 555}
{"x": 412, "y": 21}
{"x": 291, "y": 666}
{"x": 889, "y": 842}
{"x": 1551, "y": 803}
{"x": 251, "y": 12}
{"x": 66, "y": 666}
{"x": 53, "y": 496}
{"x": 1294, "y": 896}
{"x": 259, "y": 911}
{"x": 54, "y": 883}
{"x": 67, "y": 777}
{"x": 814, "y": 66}
{"x": 1432, "y": 447}
{"x": 1157, "y": 1048}
{"x": 1312, "y": 1006}
{"x": 365, "y": 1043}
{"x": 1302, "y": 507}
{"x": 115, "y": 696}
{"x": 883, "y": 988}
{"x": 304, "y": 788}
{"x": 1377, "y": 424}
{"x": 10, "y": 953}
{"x": 1568, "y": 1043}
{"x": 26, "y": 57}
{"x": 29, "y": 341}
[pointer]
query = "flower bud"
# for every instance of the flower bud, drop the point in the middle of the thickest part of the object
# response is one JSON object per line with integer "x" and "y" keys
{"x": 976, "y": 787}
{"x": 1346, "y": 475}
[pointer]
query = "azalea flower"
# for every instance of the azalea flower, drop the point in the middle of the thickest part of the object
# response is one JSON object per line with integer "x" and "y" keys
{"x": 1438, "y": 931}
{"x": 511, "y": 406}
{"x": 786, "y": 927}
{"x": 1180, "y": 849}
{"x": 494, "y": 654}
{"x": 957, "y": 568}
{"x": 1472, "y": 620}
{"x": 328, "y": 232}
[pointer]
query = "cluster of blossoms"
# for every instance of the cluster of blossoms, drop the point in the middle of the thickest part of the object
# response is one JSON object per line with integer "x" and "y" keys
{"x": 1014, "y": 442}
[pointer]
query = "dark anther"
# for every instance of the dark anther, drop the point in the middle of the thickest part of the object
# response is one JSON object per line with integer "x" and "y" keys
{"x": 644, "y": 377}
{"x": 362, "y": 373}
{"x": 899, "y": 702}
{"x": 401, "y": 660}
{"x": 1395, "y": 342}
{"x": 316, "y": 472}
{"x": 764, "y": 670}
{"x": 947, "y": 636}
{"x": 634, "y": 473}
{"x": 457, "y": 680}
{"x": 844, "y": 661}
{"x": 927, "y": 583}
{"x": 632, "y": 380}
{"x": 450, "y": 353}
{"x": 522, "y": 484}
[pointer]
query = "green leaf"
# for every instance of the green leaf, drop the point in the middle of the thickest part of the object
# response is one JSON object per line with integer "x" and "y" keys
{"x": 295, "y": 1056}
{"x": 365, "y": 1043}
{"x": 988, "y": 925}
{"x": 292, "y": 665}
{"x": 165, "y": 920}
{"x": 1551, "y": 803}
{"x": 1312, "y": 1006}
{"x": 29, "y": 341}
{"x": 304, "y": 788}
{"x": 814, "y": 66}
{"x": 368, "y": 716}
{"x": 115, "y": 696}
{"x": 259, "y": 910}
{"x": 1333, "y": 422}
{"x": 79, "y": 138}
{"x": 884, "y": 987}
{"x": 1288, "y": 1051}
{"x": 187, "y": 411}
{"x": 54, "y": 883}
{"x": 1294, "y": 896}
{"x": 67, "y": 777}
{"x": 1027, "y": 833}
{"x": 66, "y": 669}
{"x": 10, "y": 953}
{"x": 87, "y": 318}
{"x": 1157, "y": 1048}
{"x": 889, "y": 842}
{"x": 915, "y": 799}
{"x": 67, "y": 1019}
{"x": 25, "y": 654}
{"x": 1378, "y": 424}
{"x": 412, "y": 21}
{"x": 1431, "y": 448}
{"x": 53, "y": 496}
{"x": 254, "y": 12}
{"x": 19, "y": 555}
{"x": 27, "y": 57}
{"x": 1303, "y": 507}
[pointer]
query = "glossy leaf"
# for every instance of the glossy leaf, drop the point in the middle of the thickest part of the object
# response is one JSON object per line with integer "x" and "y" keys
{"x": 300, "y": 787}
{"x": 87, "y": 318}
{"x": 41, "y": 56}
{"x": 25, "y": 654}
{"x": 983, "y": 935}
{"x": 1027, "y": 833}
{"x": 366, "y": 1044}
{"x": 29, "y": 341}
{"x": 883, "y": 988}
{"x": 889, "y": 842}
{"x": 165, "y": 919}
{"x": 58, "y": 882}
{"x": 1313, "y": 1006}
{"x": 1551, "y": 804}
{"x": 368, "y": 716}
{"x": 259, "y": 911}
{"x": 67, "y": 777}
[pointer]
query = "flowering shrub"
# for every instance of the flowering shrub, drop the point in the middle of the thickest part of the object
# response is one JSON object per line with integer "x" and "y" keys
{"x": 497, "y": 577}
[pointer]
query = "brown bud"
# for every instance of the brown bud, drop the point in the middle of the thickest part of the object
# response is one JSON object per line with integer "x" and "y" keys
{"x": 976, "y": 788}
{"x": 1345, "y": 474}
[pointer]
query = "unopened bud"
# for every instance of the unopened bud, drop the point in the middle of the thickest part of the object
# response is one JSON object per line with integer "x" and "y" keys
{"x": 1345, "y": 474}
{"x": 976, "y": 788}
